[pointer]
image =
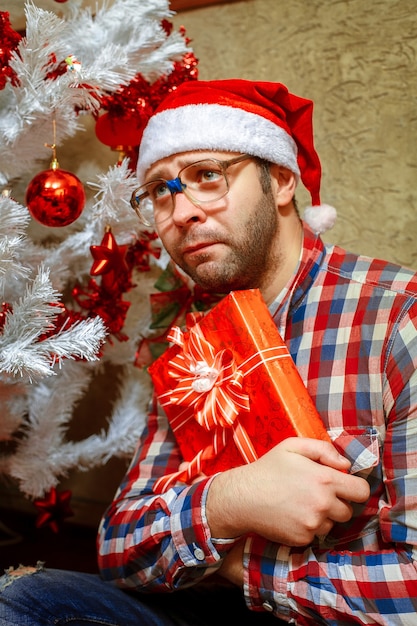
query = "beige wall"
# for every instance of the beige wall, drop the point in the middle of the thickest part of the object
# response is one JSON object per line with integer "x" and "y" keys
{"x": 357, "y": 61}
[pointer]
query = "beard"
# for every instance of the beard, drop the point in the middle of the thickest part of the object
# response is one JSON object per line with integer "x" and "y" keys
{"x": 250, "y": 257}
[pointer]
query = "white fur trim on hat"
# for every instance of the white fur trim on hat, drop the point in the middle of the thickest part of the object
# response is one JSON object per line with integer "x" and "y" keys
{"x": 214, "y": 127}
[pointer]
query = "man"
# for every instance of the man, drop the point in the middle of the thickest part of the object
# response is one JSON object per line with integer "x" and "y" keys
{"x": 310, "y": 533}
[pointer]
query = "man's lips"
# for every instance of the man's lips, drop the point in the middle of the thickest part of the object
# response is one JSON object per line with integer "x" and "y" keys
{"x": 197, "y": 248}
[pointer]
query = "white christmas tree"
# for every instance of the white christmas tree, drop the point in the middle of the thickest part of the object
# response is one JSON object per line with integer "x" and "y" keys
{"x": 76, "y": 296}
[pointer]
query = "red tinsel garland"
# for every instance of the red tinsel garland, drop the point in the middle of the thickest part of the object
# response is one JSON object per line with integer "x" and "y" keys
{"x": 9, "y": 39}
{"x": 128, "y": 109}
{"x": 115, "y": 265}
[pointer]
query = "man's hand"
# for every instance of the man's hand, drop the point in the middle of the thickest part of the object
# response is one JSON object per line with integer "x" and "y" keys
{"x": 297, "y": 490}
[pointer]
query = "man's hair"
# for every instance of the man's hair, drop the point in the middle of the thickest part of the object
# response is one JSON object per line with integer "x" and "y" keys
{"x": 264, "y": 168}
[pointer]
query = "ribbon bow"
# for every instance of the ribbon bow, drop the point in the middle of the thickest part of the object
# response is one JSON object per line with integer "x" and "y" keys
{"x": 209, "y": 382}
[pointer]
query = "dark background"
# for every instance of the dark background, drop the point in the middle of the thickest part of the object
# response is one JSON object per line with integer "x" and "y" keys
{"x": 73, "y": 547}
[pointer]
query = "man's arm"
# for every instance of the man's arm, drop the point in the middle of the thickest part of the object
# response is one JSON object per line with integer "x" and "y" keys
{"x": 370, "y": 574}
{"x": 157, "y": 542}
{"x": 293, "y": 493}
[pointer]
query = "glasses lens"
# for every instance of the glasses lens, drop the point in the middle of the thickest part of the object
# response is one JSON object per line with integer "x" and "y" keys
{"x": 153, "y": 202}
{"x": 204, "y": 181}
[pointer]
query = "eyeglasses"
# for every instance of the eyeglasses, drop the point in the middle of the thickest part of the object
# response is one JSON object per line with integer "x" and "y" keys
{"x": 202, "y": 182}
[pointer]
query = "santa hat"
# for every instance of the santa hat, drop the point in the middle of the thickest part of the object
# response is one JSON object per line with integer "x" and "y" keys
{"x": 259, "y": 118}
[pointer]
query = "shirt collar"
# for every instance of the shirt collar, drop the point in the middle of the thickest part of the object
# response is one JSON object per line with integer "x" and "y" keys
{"x": 311, "y": 258}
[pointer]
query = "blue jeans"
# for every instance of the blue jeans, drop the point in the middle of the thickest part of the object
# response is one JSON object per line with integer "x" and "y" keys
{"x": 42, "y": 597}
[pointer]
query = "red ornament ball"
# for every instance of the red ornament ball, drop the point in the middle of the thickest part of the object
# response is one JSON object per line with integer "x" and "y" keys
{"x": 117, "y": 131}
{"x": 55, "y": 197}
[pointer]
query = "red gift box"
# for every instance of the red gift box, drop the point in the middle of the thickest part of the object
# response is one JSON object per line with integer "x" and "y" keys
{"x": 230, "y": 389}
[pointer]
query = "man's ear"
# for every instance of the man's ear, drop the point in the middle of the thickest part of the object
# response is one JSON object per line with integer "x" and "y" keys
{"x": 286, "y": 183}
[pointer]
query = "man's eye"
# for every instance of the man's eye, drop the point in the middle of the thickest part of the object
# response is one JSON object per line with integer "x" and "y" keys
{"x": 208, "y": 176}
{"x": 160, "y": 191}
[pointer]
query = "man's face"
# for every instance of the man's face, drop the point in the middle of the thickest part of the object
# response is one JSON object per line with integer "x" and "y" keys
{"x": 228, "y": 245}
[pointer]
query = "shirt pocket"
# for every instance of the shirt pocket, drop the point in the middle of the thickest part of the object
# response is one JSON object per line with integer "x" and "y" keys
{"x": 361, "y": 446}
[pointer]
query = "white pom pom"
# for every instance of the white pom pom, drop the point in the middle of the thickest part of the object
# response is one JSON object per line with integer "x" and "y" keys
{"x": 321, "y": 217}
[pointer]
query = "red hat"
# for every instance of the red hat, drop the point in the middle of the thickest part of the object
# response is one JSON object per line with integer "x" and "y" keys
{"x": 259, "y": 118}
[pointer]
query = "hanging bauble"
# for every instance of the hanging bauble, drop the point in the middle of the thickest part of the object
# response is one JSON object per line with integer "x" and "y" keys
{"x": 116, "y": 131}
{"x": 55, "y": 197}
{"x": 122, "y": 134}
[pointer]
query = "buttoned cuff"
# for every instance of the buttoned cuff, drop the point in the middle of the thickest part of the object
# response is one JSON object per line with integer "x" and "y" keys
{"x": 190, "y": 530}
{"x": 266, "y": 576}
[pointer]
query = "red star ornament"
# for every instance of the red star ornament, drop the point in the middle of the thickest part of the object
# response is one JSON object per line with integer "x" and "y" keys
{"x": 109, "y": 262}
{"x": 53, "y": 509}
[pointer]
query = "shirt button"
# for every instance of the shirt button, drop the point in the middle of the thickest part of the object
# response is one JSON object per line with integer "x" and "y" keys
{"x": 199, "y": 554}
{"x": 268, "y": 607}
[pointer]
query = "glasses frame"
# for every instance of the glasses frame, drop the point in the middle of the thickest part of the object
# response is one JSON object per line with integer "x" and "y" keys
{"x": 175, "y": 185}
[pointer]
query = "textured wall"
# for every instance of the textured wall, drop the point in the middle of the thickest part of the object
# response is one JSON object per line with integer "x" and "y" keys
{"x": 357, "y": 61}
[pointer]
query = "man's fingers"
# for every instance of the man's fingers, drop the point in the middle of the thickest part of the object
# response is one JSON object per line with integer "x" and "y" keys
{"x": 320, "y": 451}
{"x": 353, "y": 488}
{"x": 348, "y": 487}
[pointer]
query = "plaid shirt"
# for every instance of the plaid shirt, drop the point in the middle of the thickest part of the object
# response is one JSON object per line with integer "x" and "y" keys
{"x": 350, "y": 324}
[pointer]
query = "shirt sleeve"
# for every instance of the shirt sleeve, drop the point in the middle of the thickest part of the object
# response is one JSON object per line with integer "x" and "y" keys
{"x": 157, "y": 542}
{"x": 372, "y": 578}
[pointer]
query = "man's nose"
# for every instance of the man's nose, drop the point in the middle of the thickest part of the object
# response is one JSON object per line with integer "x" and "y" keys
{"x": 186, "y": 211}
